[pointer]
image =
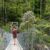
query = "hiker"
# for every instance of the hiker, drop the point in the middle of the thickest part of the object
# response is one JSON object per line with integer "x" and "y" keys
{"x": 14, "y": 33}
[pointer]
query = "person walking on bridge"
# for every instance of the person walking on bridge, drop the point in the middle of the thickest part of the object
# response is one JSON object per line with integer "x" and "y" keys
{"x": 14, "y": 33}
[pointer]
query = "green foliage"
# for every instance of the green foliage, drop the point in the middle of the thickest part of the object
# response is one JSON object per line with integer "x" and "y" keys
{"x": 47, "y": 12}
{"x": 13, "y": 9}
{"x": 21, "y": 10}
{"x": 39, "y": 7}
{"x": 36, "y": 28}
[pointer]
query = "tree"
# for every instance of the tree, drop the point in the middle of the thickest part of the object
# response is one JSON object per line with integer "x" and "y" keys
{"x": 39, "y": 7}
{"x": 35, "y": 29}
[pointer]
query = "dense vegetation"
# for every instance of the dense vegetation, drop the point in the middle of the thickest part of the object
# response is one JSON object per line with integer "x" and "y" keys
{"x": 33, "y": 17}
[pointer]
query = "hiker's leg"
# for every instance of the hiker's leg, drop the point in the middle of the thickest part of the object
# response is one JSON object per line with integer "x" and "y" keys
{"x": 14, "y": 41}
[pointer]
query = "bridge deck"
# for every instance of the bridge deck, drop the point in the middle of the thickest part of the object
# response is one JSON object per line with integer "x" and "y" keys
{"x": 11, "y": 45}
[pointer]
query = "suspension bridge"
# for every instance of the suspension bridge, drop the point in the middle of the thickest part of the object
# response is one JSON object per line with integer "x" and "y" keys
{"x": 11, "y": 45}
